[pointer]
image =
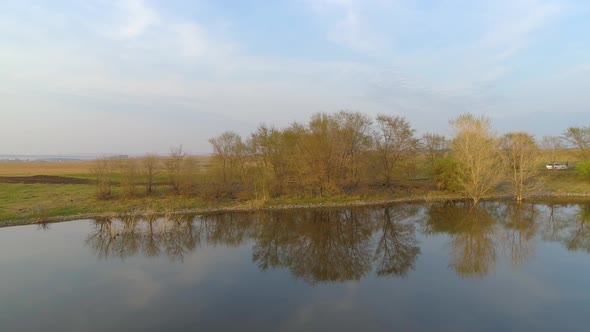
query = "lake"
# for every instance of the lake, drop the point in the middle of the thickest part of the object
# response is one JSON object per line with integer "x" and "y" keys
{"x": 407, "y": 267}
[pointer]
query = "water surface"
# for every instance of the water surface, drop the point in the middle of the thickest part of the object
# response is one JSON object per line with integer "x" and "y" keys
{"x": 444, "y": 267}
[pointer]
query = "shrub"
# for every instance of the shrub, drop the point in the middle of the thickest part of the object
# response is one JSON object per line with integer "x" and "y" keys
{"x": 444, "y": 174}
{"x": 583, "y": 169}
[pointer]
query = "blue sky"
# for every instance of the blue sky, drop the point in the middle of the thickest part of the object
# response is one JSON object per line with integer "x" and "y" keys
{"x": 133, "y": 76}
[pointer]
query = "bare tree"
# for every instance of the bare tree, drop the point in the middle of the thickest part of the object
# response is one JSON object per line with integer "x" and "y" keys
{"x": 103, "y": 173}
{"x": 579, "y": 137}
{"x": 435, "y": 146}
{"x": 354, "y": 132}
{"x": 273, "y": 153}
{"x": 151, "y": 163}
{"x": 394, "y": 140}
{"x": 174, "y": 165}
{"x": 319, "y": 153}
{"x": 519, "y": 156}
{"x": 128, "y": 171}
{"x": 475, "y": 148}
{"x": 552, "y": 145}
{"x": 230, "y": 150}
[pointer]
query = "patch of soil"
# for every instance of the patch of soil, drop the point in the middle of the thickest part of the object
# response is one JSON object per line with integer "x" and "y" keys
{"x": 46, "y": 179}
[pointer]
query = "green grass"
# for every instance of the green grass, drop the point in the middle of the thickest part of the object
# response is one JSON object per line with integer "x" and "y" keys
{"x": 21, "y": 203}
{"x": 563, "y": 181}
{"x": 42, "y": 201}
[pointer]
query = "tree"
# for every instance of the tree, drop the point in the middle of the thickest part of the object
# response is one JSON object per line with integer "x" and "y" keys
{"x": 354, "y": 132}
{"x": 103, "y": 173}
{"x": 434, "y": 147}
{"x": 519, "y": 153}
{"x": 230, "y": 153}
{"x": 151, "y": 163}
{"x": 552, "y": 145}
{"x": 230, "y": 150}
{"x": 128, "y": 171}
{"x": 320, "y": 151}
{"x": 474, "y": 146}
{"x": 579, "y": 137}
{"x": 394, "y": 140}
{"x": 273, "y": 153}
{"x": 263, "y": 145}
{"x": 174, "y": 165}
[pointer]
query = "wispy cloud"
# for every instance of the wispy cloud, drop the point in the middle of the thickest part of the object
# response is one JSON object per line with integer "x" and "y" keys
{"x": 168, "y": 61}
{"x": 348, "y": 26}
{"x": 514, "y": 24}
{"x": 138, "y": 18}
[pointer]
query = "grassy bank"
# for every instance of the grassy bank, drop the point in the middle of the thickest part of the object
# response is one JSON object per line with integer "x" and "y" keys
{"x": 29, "y": 203}
{"x": 37, "y": 203}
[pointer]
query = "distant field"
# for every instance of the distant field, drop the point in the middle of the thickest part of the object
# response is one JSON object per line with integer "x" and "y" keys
{"x": 79, "y": 169}
{"x": 45, "y": 168}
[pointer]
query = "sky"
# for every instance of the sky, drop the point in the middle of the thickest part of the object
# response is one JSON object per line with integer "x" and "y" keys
{"x": 136, "y": 76}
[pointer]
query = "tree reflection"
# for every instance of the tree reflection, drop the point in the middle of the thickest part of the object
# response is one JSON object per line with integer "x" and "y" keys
{"x": 397, "y": 247}
{"x": 228, "y": 229}
{"x": 318, "y": 246}
{"x": 568, "y": 224}
{"x": 341, "y": 245}
{"x": 520, "y": 229}
{"x": 315, "y": 245}
{"x": 131, "y": 236}
{"x": 101, "y": 236}
{"x": 578, "y": 230}
{"x": 473, "y": 250}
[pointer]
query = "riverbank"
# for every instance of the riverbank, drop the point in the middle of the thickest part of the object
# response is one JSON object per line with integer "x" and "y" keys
{"x": 180, "y": 208}
{"x": 67, "y": 192}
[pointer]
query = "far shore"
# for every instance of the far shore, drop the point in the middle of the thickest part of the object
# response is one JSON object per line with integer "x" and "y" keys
{"x": 250, "y": 207}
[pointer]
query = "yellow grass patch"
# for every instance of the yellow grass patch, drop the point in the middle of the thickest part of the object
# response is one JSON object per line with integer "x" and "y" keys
{"x": 44, "y": 168}
{"x": 67, "y": 167}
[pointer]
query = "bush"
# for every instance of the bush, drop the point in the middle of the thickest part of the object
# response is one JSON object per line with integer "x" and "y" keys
{"x": 583, "y": 169}
{"x": 444, "y": 174}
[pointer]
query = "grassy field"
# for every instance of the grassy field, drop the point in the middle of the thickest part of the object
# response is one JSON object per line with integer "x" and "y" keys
{"x": 41, "y": 201}
{"x": 38, "y": 202}
{"x": 69, "y": 168}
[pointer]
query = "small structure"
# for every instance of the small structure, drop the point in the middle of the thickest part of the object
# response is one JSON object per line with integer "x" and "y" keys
{"x": 557, "y": 166}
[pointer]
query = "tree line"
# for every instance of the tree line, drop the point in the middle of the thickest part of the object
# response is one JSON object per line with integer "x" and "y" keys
{"x": 349, "y": 153}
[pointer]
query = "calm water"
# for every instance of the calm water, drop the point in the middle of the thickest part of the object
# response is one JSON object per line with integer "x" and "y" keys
{"x": 405, "y": 267}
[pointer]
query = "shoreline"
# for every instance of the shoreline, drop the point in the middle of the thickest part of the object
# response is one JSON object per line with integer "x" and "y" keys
{"x": 294, "y": 206}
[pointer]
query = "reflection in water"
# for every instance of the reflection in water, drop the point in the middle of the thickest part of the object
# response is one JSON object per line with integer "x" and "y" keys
{"x": 472, "y": 232}
{"x": 568, "y": 224}
{"x": 318, "y": 246}
{"x": 575, "y": 232}
{"x": 473, "y": 250}
{"x": 519, "y": 231}
{"x": 131, "y": 236}
{"x": 397, "y": 247}
{"x": 342, "y": 245}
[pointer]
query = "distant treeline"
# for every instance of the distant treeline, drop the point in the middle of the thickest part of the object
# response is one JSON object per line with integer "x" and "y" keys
{"x": 349, "y": 153}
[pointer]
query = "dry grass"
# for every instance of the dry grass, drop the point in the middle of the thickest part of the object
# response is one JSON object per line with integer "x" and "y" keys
{"x": 69, "y": 168}
{"x": 44, "y": 168}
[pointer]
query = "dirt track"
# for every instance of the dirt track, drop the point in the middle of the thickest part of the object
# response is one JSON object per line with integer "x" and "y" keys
{"x": 47, "y": 179}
